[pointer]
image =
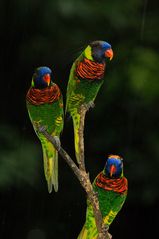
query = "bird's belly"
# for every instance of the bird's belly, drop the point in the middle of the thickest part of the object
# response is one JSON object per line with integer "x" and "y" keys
{"x": 88, "y": 89}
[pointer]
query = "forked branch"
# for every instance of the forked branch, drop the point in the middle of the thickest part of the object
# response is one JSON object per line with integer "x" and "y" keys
{"x": 84, "y": 180}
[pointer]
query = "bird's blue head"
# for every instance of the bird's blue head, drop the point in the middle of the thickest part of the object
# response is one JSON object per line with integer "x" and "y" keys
{"x": 98, "y": 51}
{"x": 114, "y": 167}
{"x": 41, "y": 78}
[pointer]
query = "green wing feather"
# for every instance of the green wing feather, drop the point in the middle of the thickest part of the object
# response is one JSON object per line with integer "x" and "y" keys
{"x": 72, "y": 84}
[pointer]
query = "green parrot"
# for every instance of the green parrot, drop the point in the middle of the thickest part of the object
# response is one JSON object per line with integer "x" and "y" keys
{"x": 45, "y": 107}
{"x": 111, "y": 187}
{"x": 85, "y": 80}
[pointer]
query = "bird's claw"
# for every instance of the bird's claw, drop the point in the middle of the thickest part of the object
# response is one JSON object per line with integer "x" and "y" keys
{"x": 58, "y": 143}
{"x": 42, "y": 128}
{"x": 110, "y": 236}
{"x": 105, "y": 231}
{"x": 89, "y": 105}
{"x": 39, "y": 127}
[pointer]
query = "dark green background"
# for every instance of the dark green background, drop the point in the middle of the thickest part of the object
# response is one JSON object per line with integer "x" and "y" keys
{"x": 124, "y": 121}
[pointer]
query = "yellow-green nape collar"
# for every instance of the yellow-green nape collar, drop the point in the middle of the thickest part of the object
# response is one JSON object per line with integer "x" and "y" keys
{"x": 88, "y": 53}
{"x": 32, "y": 83}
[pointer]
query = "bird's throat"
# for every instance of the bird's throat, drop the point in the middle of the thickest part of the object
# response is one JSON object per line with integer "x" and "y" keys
{"x": 42, "y": 96}
{"x": 90, "y": 70}
{"x": 119, "y": 185}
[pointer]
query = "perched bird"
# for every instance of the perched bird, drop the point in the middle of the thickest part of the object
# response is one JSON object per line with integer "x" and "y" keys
{"x": 85, "y": 80}
{"x": 111, "y": 187}
{"x": 45, "y": 107}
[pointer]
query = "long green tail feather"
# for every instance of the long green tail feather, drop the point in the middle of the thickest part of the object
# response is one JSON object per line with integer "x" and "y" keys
{"x": 76, "y": 125}
{"x": 83, "y": 233}
{"x": 90, "y": 233}
{"x": 89, "y": 230}
{"x": 50, "y": 157}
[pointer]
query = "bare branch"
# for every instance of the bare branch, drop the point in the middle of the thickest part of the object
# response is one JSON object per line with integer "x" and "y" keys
{"x": 83, "y": 177}
{"x": 82, "y": 113}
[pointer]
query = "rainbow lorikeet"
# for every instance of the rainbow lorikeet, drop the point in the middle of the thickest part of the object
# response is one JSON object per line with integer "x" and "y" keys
{"x": 85, "y": 80}
{"x": 45, "y": 107}
{"x": 111, "y": 187}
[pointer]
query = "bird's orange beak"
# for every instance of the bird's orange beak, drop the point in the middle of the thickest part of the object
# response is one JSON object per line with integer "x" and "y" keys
{"x": 112, "y": 170}
{"x": 47, "y": 79}
{"x": 109, "y": 54}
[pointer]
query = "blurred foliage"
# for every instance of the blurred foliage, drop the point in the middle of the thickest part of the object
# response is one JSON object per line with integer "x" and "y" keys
{"x": 125, "y": 120}
{"x": 142, "y": 72}
{"x": 19, "y": 164}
